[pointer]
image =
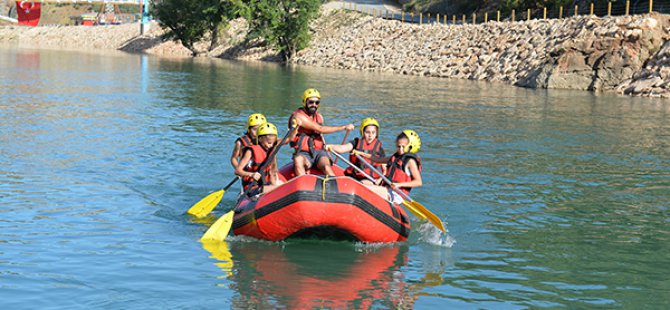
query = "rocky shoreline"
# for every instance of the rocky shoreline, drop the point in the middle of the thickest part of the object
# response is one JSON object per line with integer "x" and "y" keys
{"x": 629, "y": 55}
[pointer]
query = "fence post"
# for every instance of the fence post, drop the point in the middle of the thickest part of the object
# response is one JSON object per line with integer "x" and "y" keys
{"x": 402, "y": 17}
{"x": 437, "y": 18}
{"x": 513, "y": 17}
{"x": 651, "y": 5}
{"x": 544, "y": 13}
{"x": 560, "y": 12}
{"x": 609, "y": 8}
{"x": 528, "y": 14}
{"x": 576, "y": 10}
{"x": 428, "y": 21}
{"x": 486, "y": 17}
{"x": 627, "y": 7}
{"x": 420, "y": 18}
{"x": 591, "y": 12}
{"x": 453, "y": 19}
{"x": 463, "y": 19}
{"x": 474, "y": 18}
{"x": 498, "y": 19}
{"x": 412, "y": 17}
{"x": 444, "y": 19}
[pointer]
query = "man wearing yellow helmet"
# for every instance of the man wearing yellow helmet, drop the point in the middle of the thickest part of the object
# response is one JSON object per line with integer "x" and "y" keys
{"x": 248, "y": 139}
{"x": 308, "y": 143}
{"x": 404, "y": 167}
{"x": 368, "y": 146}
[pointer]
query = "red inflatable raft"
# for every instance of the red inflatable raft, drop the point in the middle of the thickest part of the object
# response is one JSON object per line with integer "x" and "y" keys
{"x": 313, "y": 206}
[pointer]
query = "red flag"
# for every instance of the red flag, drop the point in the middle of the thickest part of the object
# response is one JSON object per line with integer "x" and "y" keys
{"x": 28, "y": 12}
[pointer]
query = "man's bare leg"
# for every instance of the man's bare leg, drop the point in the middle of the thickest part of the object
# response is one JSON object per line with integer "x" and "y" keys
{"x": 299, "y": 165}
{"x": 325, "y": 167}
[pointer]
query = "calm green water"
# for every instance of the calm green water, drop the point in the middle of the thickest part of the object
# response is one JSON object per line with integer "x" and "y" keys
{"x": 553, "y": 198}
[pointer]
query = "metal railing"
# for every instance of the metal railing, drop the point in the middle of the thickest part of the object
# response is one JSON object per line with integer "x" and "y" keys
{"x": 612, "y": 8}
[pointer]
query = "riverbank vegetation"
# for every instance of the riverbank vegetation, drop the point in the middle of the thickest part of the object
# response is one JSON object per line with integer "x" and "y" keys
{"x": 282, "y": 24}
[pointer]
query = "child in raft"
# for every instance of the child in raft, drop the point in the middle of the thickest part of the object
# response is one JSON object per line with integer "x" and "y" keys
{"x": 248, "y": 139}
{"x": 368, "y": 146}
{"x": 255, "y": 157}
{"x": 404, "y": 167}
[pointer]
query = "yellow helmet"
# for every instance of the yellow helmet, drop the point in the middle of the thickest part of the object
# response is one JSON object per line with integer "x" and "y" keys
{"x": 266, "y": 129}
{"x": 256, "y": 119}
{"x": 367, "y": 122}
{"x": 309, "y": 93}
{"x": 414, "y": 141}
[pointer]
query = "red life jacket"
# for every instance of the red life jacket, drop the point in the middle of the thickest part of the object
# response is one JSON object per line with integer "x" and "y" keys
{"x": 307, "y": 140}
{"x": 258, "y": 158}
{"x": 245, "y": 141}
{"x": 396, "y": 169}
{"x": 374, "y": 148}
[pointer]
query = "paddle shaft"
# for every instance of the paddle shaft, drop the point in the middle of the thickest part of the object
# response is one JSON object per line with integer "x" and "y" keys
{"x": 355, "y": 167}
{"x": 231, "y": 183}
{"x": 384, "y": 178}
{"x": 269, "y": 159}
{"x": 344, "y": 140}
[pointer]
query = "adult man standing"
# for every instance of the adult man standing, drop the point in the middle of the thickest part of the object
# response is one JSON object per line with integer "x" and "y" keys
{"x": 308, "y": 143}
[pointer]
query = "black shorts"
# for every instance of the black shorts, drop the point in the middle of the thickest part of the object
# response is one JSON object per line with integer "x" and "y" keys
{"x": 313, "y": 158}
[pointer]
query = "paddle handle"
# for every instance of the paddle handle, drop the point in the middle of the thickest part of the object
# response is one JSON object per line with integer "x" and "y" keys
{"x": 354, "y": 166}
{"x": 344, "y": 140}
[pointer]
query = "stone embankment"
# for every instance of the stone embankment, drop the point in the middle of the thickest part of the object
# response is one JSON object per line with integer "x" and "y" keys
{"x": 124, "y": 37}
{"x": 629, "y": 55}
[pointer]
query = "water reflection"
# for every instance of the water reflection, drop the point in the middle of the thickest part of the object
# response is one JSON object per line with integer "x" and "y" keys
{"x": 307, "y": 275}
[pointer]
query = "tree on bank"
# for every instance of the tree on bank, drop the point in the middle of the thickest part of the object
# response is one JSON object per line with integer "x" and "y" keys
{"x": 189, "y": 21}
{"x": 283, "y": 24}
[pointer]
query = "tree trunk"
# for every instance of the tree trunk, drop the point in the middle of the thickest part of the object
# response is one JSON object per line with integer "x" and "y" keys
{"x": 215, "y": 38}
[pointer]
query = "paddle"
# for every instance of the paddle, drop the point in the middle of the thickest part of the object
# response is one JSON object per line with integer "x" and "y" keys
{"x": 409, "y": 202}
{"x": 344, "y": 140}
{"x": 409, "y": 207}
{"x": 207, "y": 204}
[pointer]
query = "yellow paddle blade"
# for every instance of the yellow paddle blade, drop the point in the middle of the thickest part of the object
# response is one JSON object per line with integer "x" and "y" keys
{"x": 219, "y": 230}
{"x": 414, "y": 211}
{"x": 431, "y": 217}
{"x": 206, "y": 205}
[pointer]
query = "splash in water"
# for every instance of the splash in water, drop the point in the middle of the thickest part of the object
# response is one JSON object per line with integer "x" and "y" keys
{"x": 428, "y": 233}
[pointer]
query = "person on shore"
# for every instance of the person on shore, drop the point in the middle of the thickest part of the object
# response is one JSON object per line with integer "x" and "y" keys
{"x": 309, "y": 142}
{"x": 256, "y": 156}
{"x": 404, "y": 167}
{"x": 248, "y": 139}
{"x": 368, "y": 146}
